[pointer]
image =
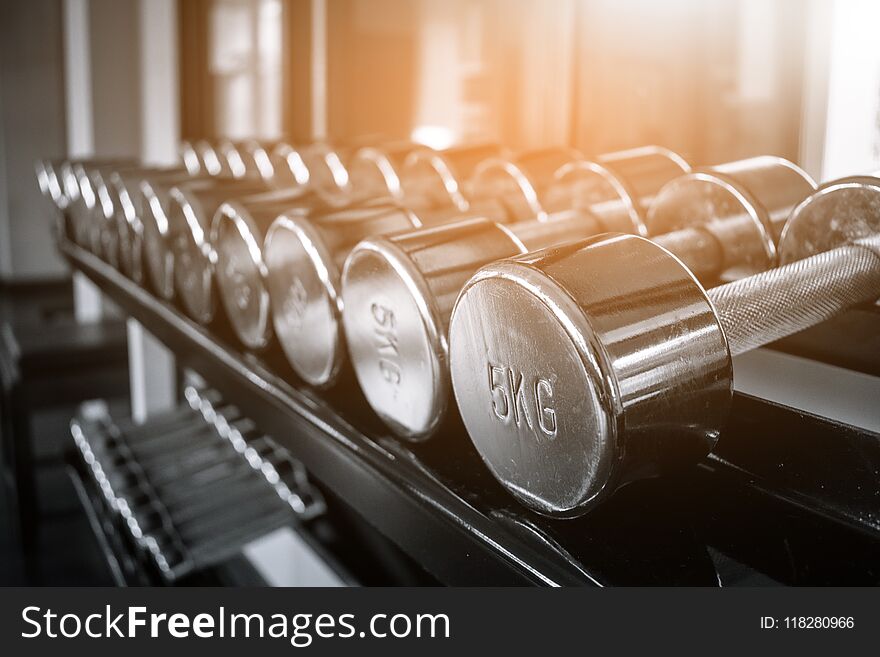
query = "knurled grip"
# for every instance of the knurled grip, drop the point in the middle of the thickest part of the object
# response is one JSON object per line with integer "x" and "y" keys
{"x": 757, "y": 310}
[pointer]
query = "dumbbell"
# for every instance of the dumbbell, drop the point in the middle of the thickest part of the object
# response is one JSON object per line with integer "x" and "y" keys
{"x": 49, "y": 182}
{"x": 199, "y": 201}
{"x": 304, "y": 254}
{"x": 82, "y": 202}
{"x": 110, "y": 235}
{"x": 581, "y": 368}
{"x": 133, "y": 206}
{"x": 209, "y": 160}
{"x": 617, "y": 188}
{"x": 741, "y": 206}
{"x": 191, "y": 256}
{"x": 398, "y": 295}
{"x": 239, "y": 157}
{"x": 166, "y": 205}
{"x": 192, "y": 511}
{"x": 241, "y": 271}
{"x": 188, "y": 156}
{"x": 437, "y": 180}
{"x": 511, "y": 190}
{"x": 225, "y": 253}
{"x": 239, "y": 227}
{"x": 289, "y": 168}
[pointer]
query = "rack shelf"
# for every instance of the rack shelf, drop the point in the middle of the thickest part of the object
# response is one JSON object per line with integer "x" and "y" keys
{"x": 726, "y": 521}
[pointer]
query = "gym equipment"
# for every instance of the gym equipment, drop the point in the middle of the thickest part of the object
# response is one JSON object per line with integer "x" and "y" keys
{"x": 304, "y": 254}
{"x": 742, "y": 205}
{"x": 574, "y": 376}
{"x": 510, "y": 190}
{"x": 411, "y": 281}
{"x": 165, "y": 202}
{"x": 236, "y": 237}
{"x": 617, "y": 188}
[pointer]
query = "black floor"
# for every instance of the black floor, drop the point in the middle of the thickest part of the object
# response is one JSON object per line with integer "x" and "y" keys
{"x": 68, "y": 552}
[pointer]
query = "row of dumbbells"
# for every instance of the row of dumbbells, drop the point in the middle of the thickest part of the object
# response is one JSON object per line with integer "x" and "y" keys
{"x": 194, "y": 485}
{"x": 367, "y": 269}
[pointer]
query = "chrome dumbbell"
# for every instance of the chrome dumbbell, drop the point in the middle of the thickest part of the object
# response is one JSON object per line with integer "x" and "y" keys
{"x": 192, "y": 212}
{"x": 742, "y": 206}
{"x": 133, "y": 207}
{"x": 167, "y": 200}
{"x": 234, "y": 262}
{"x": 617, "y": 188}
{"x": 398, "y": 295}
{"x": 573, "y": 376}
{"x": 512, "y": 189}
{"x": 376, "y": 175}
{"x": 304, "y": 254}
{"x": 111, "y": 233}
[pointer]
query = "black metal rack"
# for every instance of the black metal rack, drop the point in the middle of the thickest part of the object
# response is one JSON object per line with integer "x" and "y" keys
{"x": 791, "y": 498}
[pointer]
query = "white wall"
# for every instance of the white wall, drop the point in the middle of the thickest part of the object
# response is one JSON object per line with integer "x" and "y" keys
{"x": 31, "y": 127}
{"x": 852, "y": 136}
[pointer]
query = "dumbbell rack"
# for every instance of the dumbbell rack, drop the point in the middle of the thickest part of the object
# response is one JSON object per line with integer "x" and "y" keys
{"x": 790, "y": 498}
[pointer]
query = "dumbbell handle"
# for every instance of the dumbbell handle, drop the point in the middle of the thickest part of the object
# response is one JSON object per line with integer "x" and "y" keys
{"x": 698, "y": 249}
{"x": 759, "y": 309}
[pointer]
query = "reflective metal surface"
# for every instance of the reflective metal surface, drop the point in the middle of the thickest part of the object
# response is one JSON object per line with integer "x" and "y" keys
{"x": 374, "y": 171}
{"x": 289, "y": 170}
{"x": 112, "y": 231}
{"x": 403, "y": 289}
{"x": 163, "y": 218}
{"x": 209, "y": 159}
{"x": 132, "y": 208}
{"x": 189, "y": 156}
{"x": 82, "y": 200}
{"x": 573, "y": 376}
{"x": 304, "y": 258}
{"x": 518, "y": 184}
{"x": 788, "y": 486}
{"x": 617, "y": 187}
{"x": 438, "y": 179}
{"x": 328, "y": 172}
{"x": 398, "y": 294}
{"x": 779, "y": 302}
{"x": 840, "y": 212}
{"x": 50, "y": 183}
{"x": 237, "y": 232}
{"x": 743, "y": 204}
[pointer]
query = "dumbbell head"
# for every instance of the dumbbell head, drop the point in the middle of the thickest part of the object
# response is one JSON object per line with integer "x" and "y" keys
{"x": 304, "y": 256}
{"x": 209, "y": 159}
{"x": 129, "y": 223}
{"x": 90, "y": 206}
{"x": 289, "y": 170}
{"x": 517, "y": 185}
{"x": 189, "y": 157}
{"x": 374, "y": 171}
{"x": 154, "y": 225}
{"x": 170, "y": 209}
{"x": 105, "y": 233}
{"x": 616, "y": 188}
{"x": 743, "y": 204}
{"x": 237, "y": 233}
{"x": 328, "y": 172}
{"x": 574, "y": 376}
{"x": 238, "y": 158}
{"x": 49, "y": 181}
{"x": 397, "y": 293}
{"x": 436, "y": 179}
{"x": 842, "y": 211}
